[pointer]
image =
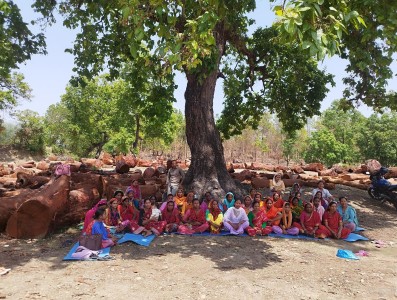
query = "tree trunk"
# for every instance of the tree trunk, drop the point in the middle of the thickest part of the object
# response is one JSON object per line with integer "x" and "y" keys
{"x": 207, "y": 171}
{"x": 138, "y": 128}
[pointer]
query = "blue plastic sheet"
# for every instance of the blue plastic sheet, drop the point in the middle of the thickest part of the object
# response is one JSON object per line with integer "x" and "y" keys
{"x": 103, "y": 252}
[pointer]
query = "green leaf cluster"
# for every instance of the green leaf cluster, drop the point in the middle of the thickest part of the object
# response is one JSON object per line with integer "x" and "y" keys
{"x": 30, "y": 133}
{"x": 17, "y": 45}
{"x": 281, "y": 79}
{"x": 378, "y": 138}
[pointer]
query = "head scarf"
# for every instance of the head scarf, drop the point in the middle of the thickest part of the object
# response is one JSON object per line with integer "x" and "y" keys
{"x": 280, "y": 182}
{"x": 112, "y": 200}
{"x": 227, "y": 203}
{"x": 129, "y": 189}
{"x": 100, "y": 203}
{"x": 214, "y": 211}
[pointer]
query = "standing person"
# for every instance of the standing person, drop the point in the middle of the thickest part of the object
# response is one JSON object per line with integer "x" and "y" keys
{"x": 348, "y": 213}
{"x": 235, "y": 219}
{"x": 174, "y": 178}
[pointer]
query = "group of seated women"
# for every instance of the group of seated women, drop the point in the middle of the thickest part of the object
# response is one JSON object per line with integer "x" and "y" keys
{"x": 255, "y": 215}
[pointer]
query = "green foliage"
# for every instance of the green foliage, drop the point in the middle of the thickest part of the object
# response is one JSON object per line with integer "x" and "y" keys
{"x": 362, "y": 31}
{"x": 292, "y": 145}
{"x": 173, "y": 130}
{"x": 30, "y": 132}
{"x": 345, "y": 126}
{"x": 378, "y": 138}
{"x": 324, "y": 148}
{"x": 7, "y": 133}
{"x": 102, "y": 114}
{"x": 291, "y": 85}
{"x": 17, "y": 45}
{"x": 12, "y": 88}
{"x": 193, "y": 36}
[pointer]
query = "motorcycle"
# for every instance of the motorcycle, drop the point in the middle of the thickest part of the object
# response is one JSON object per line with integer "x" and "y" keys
{"x": 381, "y": 189}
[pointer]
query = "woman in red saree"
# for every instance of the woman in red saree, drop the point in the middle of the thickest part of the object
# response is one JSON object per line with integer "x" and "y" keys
{"x": 258, "y": 220}
{"x": 150, "y": 224}
{"x": 171, "y": 216}
{"x": 89, "y": 216}
{"x": 310, "y": 223}
{"x": 129, "y": 217}
{"x": 194, "y": 220}
{"x": 127, "y": 211}
{"x": 334, "y": 224}
{"x": 278, "y": 202}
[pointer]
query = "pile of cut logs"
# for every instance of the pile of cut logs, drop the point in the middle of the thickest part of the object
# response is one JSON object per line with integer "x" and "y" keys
{"x": 34, "y": 202}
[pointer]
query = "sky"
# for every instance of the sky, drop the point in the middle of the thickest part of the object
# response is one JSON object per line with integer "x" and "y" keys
{"x": 49, "y": 74}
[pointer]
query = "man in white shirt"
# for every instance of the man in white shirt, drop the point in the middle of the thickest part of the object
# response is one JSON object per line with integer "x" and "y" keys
{"x": 325, "y": 193}
{"x": 174, "y": 178}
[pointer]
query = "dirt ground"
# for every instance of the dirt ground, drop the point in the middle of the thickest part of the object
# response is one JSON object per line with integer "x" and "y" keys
{"x": 183, "y": 267}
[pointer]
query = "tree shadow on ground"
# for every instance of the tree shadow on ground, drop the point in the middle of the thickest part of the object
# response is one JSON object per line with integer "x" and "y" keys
{"x": 225, "y": 252}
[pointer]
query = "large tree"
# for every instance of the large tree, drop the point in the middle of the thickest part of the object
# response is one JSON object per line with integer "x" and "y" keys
{"x": 205, "y": 39}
